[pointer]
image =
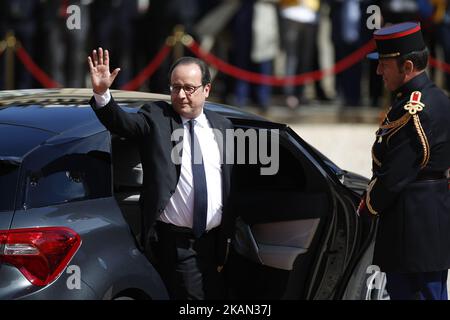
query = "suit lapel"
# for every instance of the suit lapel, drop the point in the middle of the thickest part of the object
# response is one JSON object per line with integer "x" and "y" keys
{"x": 218, "y": 123}
{"x": 176, "y": 124}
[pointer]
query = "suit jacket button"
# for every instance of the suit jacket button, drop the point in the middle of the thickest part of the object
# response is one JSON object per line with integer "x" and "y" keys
{"x": 172, "y": 191}
{"x": 160, "y": 210}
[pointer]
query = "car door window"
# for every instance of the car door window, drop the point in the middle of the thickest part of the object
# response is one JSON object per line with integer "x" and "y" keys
{"x": 69, "y": 178}
{"x": 74, "y": 171}
{"x": 294, "y": 192}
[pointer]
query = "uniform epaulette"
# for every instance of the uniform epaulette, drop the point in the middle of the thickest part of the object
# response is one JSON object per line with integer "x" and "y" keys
{"x": 414, "y": 106}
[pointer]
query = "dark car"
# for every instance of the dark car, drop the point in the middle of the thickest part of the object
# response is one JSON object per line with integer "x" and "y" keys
{"x": 70, "y": 218}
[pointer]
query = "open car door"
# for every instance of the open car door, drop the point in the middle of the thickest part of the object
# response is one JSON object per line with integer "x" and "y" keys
{"x": 296, "y": 231}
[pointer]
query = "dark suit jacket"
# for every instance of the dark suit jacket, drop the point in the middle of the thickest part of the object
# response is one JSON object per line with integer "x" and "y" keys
{"x": 152, "y": 127}
{"x": 410, "y": 194}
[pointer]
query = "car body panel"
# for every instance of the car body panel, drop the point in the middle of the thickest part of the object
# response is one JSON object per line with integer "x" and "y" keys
{"x": 21, "y": 288}
{"x": 98, "y": 222}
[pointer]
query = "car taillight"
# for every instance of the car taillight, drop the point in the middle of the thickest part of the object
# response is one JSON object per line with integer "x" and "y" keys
{"x": 41, "y": 254}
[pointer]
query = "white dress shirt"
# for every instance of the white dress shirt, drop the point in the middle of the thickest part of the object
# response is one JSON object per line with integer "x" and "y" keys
{"x": 179, "y": 209}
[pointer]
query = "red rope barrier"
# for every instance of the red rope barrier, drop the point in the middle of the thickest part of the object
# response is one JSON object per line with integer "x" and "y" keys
{"x": 222, "y": 66}
{"x": 258, "y": 78}
{"x": 148, "y": 70}
{"x": 354, "y": 57}
{"x": 34, "y": 69}
{"x": 439, "y": 65}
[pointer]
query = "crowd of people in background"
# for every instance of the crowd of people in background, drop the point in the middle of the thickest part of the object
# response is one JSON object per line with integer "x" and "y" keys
{"x": 264, "y": 36}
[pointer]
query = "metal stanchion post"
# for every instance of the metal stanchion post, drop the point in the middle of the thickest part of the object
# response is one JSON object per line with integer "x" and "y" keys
{"x": 2, "y": 49}
{"x": 9, "y": 60}
{"x": 178, "y": 48}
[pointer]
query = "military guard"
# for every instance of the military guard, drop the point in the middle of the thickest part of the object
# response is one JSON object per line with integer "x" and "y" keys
{"x": 409, "y": 191}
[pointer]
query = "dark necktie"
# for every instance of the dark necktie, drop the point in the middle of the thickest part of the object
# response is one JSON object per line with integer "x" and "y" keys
{"x": 199, "y": 180}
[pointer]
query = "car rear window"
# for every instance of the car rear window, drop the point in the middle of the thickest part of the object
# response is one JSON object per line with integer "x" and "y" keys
{"x": 16, "y": 141}
{"x": 9, "y": 173}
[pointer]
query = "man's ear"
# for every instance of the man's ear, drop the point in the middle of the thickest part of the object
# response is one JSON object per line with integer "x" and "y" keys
{"x": 408, "y": 67}
{"x": 207, "y": 90}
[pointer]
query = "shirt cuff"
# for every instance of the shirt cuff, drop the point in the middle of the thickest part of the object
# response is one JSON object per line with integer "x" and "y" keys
{"x": 102, "y": 100}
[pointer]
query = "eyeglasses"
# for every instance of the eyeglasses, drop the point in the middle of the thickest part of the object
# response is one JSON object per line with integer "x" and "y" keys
{"x": 189, "y": 90}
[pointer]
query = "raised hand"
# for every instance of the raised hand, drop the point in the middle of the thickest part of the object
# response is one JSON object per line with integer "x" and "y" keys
{"x": 101, "y": 78}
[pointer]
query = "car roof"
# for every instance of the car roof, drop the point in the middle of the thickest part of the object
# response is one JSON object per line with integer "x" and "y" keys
{"x": 60, "y": 110}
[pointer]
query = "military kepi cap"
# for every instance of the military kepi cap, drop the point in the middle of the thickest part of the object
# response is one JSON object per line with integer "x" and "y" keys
{"x": 397, "y": 40}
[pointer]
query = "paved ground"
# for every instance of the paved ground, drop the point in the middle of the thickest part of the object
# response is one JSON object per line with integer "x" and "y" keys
{"x": 347, "y": 145}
